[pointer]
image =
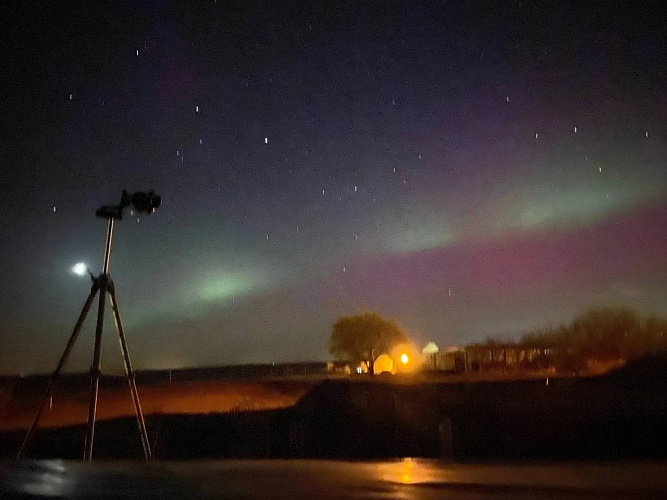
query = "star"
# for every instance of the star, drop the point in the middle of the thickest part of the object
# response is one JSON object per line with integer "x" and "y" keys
{"x": 486, "y": 211}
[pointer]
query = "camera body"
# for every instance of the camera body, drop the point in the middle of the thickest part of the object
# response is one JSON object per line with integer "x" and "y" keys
{"x": 141, "y": 202}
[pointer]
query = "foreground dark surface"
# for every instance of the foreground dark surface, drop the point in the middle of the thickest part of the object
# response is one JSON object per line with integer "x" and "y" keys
{"x": 281, "y": 479}
{"x": 568, "y": 419}
{"x": 621, "y": 416}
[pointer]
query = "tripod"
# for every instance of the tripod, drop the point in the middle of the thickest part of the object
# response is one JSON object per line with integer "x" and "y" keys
{"x": 104, "y": 285}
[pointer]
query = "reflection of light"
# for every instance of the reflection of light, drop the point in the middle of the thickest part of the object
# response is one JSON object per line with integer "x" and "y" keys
{"x": 360, "y": 369}
{"x": 79, "y": 269}
{"x": 409, "y": 471}
{"x": 48, "y": 480}
{"x": 406, "y": 475}
{"x": 404, "y": 359}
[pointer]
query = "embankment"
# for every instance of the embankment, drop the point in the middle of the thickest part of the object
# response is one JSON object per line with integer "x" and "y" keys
{"x": 610, "y": 417}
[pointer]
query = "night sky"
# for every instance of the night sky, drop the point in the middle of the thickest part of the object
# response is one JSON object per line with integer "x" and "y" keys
{"x": 466, "y": 168}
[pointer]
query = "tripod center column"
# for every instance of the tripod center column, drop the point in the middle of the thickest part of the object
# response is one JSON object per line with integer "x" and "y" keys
{"x": 107, "y": 246}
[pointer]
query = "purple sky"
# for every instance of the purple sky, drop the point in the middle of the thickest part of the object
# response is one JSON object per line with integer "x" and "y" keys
{"x": 467, "y": 170}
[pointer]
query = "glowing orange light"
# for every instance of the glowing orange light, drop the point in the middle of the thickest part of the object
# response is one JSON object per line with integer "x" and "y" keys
{"x": 404, "y": 359}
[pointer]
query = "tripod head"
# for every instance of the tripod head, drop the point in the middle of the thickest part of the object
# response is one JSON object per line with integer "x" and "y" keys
{"x": 143, "y": 203}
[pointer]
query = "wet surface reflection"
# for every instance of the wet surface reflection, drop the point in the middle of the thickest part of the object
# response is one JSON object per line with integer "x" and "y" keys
{"x": 281, "y": 479}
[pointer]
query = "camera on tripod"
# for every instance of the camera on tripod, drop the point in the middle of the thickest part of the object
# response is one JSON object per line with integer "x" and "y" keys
{"x": 142, "y": 203}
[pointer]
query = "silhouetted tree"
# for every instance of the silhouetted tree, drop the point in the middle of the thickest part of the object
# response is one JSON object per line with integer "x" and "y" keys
{"x": 603, "y": 334}
{"x": 608, "y": 334}
{"x": 656, "y": 330}
{"x": 364, "y": 337}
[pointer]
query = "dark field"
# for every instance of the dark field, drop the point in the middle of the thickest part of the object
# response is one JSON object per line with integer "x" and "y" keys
{"x": 622, "y": 415}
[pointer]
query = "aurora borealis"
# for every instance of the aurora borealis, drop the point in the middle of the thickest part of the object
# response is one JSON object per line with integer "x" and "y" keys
{"x": 466, "y": 170}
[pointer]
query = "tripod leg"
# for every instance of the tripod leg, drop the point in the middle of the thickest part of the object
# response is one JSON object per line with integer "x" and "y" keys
{"x": 129, "y": 373}
{"x": 56, "y": 372}
{"x": 95, "y": 371}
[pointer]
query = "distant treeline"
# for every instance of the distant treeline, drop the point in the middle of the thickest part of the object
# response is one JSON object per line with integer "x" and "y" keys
{"x": 597, "y": 335}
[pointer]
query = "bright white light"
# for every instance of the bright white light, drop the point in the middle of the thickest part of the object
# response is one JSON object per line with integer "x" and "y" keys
{"x": 80, "y": 269}
{"x": 430, "y": 348}
{"x": 404, "y": 359}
